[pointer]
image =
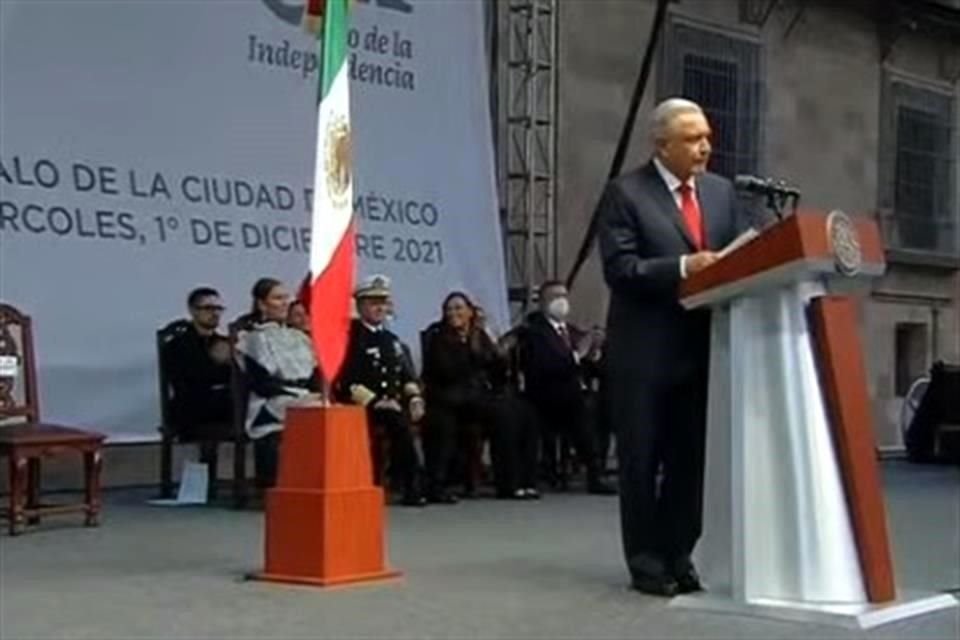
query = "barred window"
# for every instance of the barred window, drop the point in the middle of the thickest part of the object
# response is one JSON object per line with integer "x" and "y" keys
{"x": 722, "y": 74}
{"x": 918, "y": 172}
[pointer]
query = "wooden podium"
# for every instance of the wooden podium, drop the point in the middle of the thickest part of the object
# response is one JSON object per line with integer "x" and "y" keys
{"x": 325, "y": 518}
{"x": 794, "y": 520}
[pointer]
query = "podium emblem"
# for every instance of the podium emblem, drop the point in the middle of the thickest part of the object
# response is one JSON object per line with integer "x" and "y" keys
{"x": 845, "y": 243}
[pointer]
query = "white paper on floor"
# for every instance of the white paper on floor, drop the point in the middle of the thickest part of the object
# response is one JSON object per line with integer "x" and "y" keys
{"x": 193, "y": 487}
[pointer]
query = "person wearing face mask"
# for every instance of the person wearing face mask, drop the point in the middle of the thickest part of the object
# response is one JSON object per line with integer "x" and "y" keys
{"x": 551, "y": 364}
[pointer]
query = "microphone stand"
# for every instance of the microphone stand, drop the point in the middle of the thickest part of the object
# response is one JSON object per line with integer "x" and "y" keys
{"x": 777, "y": 200}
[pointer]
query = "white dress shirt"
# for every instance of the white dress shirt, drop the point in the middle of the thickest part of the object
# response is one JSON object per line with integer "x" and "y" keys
{"x": 673, "y": 185}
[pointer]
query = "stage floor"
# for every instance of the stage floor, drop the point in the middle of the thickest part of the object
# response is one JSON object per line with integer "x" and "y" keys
{"x": 481, "y": 569}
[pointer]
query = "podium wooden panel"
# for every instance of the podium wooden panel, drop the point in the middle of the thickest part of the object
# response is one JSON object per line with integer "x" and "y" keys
{"x": 844, "y": 380}
{"x": 325, "y": 518}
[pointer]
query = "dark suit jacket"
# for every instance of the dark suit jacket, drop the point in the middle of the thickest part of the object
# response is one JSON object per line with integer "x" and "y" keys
{"x": 455, "y": 371}
{"x": 201, "y": 391}
{"x": 377, "y": 360}
{"x": 549, "y": 366}
{"x": 642, "y": 236}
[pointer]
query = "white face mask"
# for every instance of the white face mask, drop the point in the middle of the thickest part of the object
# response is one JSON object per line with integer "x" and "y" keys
{"x": 559, "y": 309}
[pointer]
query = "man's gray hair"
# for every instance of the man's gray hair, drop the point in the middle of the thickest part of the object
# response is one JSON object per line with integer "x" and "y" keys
{"x": 665, "y": 112}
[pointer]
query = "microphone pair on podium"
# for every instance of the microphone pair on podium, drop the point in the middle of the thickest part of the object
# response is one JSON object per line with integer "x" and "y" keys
{"x": 777, "y": 192}
{"x": 764, "y": 186}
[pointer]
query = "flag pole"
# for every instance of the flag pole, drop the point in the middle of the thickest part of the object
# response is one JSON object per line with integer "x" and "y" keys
{"x": 332, "y": 247}
{"x": 324, "y": 521}
{"x": 314, "y": 10}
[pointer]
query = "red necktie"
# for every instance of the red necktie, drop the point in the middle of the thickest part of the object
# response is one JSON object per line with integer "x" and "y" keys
{"x": 691, "y": 215}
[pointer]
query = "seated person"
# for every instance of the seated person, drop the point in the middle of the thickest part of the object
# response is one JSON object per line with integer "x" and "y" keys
{"x": 553, "y": 377}
{"x": 280, "y": 368}
{"x": 593, "y": 372}
{"x": 377, "y": 375}
{"x": 297, "y": 317}
{"x": 197, "y": 362}
{"x": 461, "y": 365}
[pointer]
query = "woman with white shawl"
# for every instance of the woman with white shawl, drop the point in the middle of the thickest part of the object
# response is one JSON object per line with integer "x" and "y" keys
{"x": 280, "y": 368}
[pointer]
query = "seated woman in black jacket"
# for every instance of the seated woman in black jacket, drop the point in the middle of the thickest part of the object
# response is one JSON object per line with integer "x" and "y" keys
{"x": 461, "y": 365}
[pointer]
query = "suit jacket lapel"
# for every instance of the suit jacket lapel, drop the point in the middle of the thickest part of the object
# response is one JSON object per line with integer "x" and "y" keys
{"x": 706, "y": 200}
{"x": 555, "y": 340}
{"x": 668, "y": 204}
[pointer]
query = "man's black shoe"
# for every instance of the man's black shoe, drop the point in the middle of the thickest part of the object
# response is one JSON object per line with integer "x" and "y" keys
{"x": 413, "y": 500}
{"x": 664, "y": 586}
{"x": 443, "y": 497}
{"x": 688, "y": 581}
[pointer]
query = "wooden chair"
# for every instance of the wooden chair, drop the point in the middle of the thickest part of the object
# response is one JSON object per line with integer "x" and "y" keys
{"x": 25, "y": 440}
{"x": 208, "y": 436}
{"x": 240, "y": 396}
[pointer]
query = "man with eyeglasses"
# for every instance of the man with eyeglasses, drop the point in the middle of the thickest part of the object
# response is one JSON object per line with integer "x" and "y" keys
{"x": 199, "y": 366}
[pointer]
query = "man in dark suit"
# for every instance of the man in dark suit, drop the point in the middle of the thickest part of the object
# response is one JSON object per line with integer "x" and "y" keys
{"x": 659, "y": 224}
{"x": 553, "y": 378}
{"x": 198, "y": 365}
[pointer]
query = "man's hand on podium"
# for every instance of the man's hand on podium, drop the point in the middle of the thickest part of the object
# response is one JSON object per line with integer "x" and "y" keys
{"x": 699, "y": 261}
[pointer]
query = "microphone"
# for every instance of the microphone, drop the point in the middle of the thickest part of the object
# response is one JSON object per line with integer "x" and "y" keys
{"x": 765, "y": 186}
{"x": 777, "y": 192}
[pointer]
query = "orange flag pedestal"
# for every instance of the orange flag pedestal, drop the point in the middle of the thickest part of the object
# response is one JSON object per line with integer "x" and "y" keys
{"x": 325, "y": 518}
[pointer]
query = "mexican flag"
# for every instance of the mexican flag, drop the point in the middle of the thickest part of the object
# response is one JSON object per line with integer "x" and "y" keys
{"x": 332, "y": 234}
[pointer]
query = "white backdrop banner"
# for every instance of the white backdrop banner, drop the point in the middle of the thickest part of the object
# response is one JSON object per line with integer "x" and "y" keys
{"x": 150, "y": 147}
